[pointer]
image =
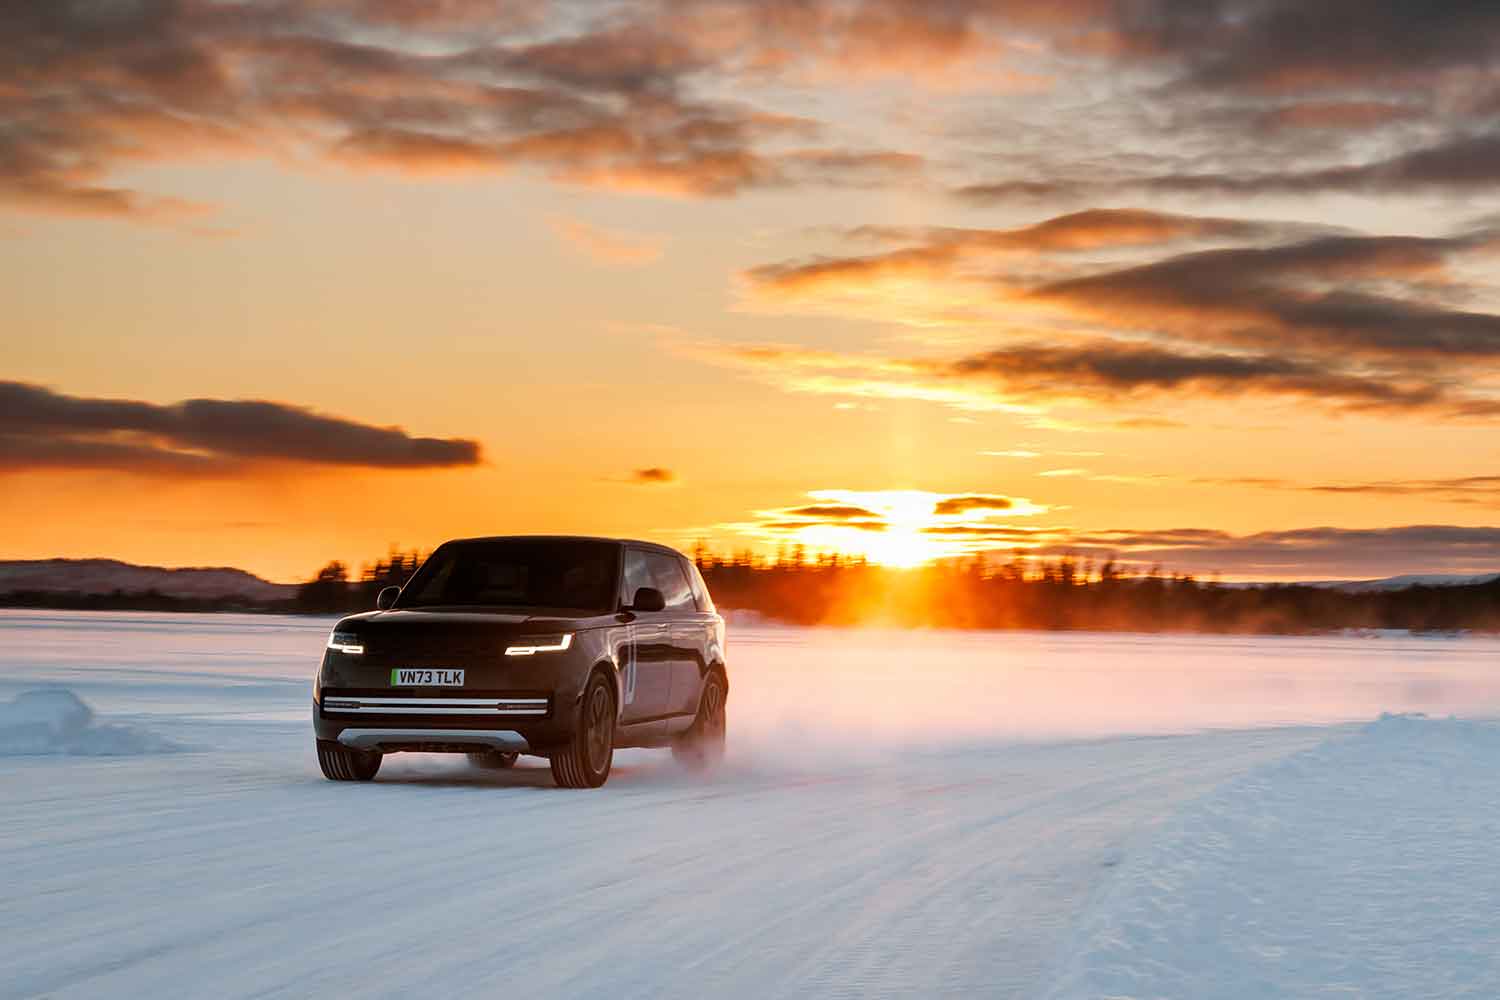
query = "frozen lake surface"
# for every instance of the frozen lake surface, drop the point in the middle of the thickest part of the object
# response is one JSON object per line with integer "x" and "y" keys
{"x": 901, "y": 814}
{"x": 796, "y": 687}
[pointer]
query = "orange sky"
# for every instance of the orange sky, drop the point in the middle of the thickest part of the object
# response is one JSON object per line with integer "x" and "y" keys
{"x": 314, "y": 277}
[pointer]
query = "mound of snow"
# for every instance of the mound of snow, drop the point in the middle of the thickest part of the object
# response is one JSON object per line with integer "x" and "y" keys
{"x": 1364, "y": 867}
{"x": 55, "y": 720}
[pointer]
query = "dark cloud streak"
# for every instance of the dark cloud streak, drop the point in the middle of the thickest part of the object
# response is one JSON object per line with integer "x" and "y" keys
{"x": 48, "y": 429}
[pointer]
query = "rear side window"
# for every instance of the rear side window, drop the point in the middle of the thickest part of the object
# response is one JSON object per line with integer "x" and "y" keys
{"x": 637, "y": 575}
{"x": 700, "y": 589}
{"x": 671, "y": 581}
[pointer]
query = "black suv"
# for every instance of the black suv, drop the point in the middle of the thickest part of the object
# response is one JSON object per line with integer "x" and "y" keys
{"x": 556, "y": 646}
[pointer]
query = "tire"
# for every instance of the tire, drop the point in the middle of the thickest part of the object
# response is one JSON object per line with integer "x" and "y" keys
{"x": 584, "y": 761}
{"x": 493, "y": 760}
{"x": 702, "y": 746}
{"x": 340, "y": 763}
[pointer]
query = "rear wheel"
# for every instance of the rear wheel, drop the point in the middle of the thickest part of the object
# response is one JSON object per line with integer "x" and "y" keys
{"x": 340, "y": 763}
{"x": 493, "y": 760}
{"x": 585, "y": 760}
{"x": 702, "y": 746}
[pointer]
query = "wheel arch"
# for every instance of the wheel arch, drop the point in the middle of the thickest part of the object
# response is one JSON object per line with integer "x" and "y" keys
{"x": 612, "y": 673}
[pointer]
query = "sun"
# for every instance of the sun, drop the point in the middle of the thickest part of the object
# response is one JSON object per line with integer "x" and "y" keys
{"x": 905, "y": 550}
{"x": 901, "y": 529}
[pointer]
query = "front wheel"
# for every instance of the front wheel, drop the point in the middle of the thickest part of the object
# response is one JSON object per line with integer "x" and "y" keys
{"x": 584, "y": 761}
{"x": 702, "y": 746}
{"x": 340, "y": 763}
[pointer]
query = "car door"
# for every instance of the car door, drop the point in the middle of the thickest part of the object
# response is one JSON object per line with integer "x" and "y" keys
{"x": 685, "y": 627}
{"x": 648, "y": 647}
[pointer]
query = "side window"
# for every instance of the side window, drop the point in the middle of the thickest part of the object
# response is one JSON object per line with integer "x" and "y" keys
{"x": 637, "y": 575}
{"x": 700, "y": 589}
{"x": 671, "y": 581}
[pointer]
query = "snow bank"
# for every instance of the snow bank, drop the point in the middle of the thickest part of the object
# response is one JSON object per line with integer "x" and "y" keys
{"x": 55, "y": 720}
{"x": 1364, "y": 867}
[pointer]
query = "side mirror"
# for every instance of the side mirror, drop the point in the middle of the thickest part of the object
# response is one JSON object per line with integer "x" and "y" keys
{"x": 648, "y": 599}
{"x": 386, "y": 599}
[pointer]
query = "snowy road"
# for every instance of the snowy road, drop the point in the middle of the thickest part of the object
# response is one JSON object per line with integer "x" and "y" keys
{"x": 985, "y": 842}
{"x": 178, "y": 875}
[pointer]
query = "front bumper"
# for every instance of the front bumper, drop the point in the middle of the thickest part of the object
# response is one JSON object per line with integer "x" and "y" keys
{"x": 534, "y": 697}
{"x": 529, "y": 719}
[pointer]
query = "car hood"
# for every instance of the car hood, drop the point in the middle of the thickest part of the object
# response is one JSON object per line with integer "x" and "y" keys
{"x": 457, "y": 621}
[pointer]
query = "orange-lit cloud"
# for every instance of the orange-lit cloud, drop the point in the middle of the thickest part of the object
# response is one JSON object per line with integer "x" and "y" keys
{"x": 1028, "y": 377}
{"x": 1337, "y": 114}
{"x": 1351, "y": 321}
{"x": 86, "y": 90}
{"x": 653, "y": 476}
{"x": 46, "y": 429}
{"x": 935, "y": 254}
{"x": 618, "y": 96}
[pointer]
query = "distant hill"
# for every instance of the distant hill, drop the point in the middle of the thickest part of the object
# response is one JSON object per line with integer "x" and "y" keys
{"x": 107, "y": 576}
{"x": 1417, "y": 580}
{"x": 1386, "y": 583}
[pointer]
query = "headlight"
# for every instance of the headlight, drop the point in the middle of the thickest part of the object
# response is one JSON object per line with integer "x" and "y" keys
{"x": 542, "y": 644}
{"x": 346, "y": 642}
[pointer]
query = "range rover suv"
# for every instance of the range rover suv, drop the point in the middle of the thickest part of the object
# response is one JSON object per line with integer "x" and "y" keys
{"x": 562, "y": 647}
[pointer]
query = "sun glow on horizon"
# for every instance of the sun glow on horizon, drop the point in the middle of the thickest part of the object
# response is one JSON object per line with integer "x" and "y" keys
{"x": 901, "y": 529}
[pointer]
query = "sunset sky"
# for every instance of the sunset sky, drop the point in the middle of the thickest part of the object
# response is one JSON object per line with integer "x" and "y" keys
{"x": 1209, "y": 283}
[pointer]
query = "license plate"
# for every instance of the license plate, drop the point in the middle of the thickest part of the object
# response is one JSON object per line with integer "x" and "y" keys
{"x": 413, "y": 677}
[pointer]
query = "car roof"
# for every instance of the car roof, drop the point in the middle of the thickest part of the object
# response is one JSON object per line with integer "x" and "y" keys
{"x": 571, "y": 538}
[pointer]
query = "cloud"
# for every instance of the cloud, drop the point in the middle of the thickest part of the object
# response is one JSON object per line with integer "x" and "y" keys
{"x": 610, "y": 246}
{"x": 1150, "y": 424}
{"x": 633, "y": 96}
{"x": 1474, "y": 490}
{"x": 602, "y": 98}
{"x": 653, "y": 476}
{"x": 1321, "y": 293}
{"x": 971, "y": 502}
{"x": 1362, "y": 115}
{"x": 1353, "y": 322}
{"x": 1102, "y": 368}
{"x": 932, "y": 253}
{"x": 831, "y": 512}
{"x": 1027, "y": 377}
{"x": 1281, "y": 46}
{"x": 1300, "y": 553}
{"x": 955, "y": 46}
{"x": 1458, "y": 163}
{"x": 46, "y": 429}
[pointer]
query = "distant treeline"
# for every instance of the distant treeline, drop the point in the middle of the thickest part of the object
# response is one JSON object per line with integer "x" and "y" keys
{"x": 1018, "y": 593}
{"x": 976, "y": 592}
{"x": 333, "y": 591}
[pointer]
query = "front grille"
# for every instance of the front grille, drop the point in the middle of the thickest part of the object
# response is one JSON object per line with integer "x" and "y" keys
{"x": 437, "y": 650}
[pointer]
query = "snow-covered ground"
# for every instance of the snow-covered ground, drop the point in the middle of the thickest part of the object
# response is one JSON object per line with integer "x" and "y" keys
{"x": 902, "y": 814}
{"x": 1363, "y": 867}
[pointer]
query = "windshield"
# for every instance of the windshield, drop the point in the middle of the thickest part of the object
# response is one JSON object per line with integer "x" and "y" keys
{"x": 517, "y": 573}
